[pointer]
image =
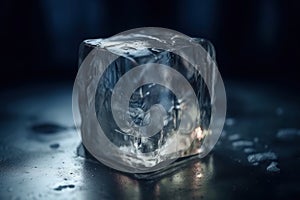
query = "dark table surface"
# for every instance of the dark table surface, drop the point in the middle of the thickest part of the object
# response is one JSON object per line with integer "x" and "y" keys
{"x": 257, "y": 156}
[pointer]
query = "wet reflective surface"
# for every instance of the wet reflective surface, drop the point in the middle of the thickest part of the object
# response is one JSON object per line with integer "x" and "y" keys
{"x": 257, "y": 156}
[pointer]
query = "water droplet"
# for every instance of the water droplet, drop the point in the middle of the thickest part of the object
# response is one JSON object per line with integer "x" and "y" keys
{"x": 234, "y": 137}
{"x": 242, "y": 143}
{"x": 230, "y": 121}
{"x": 289, "y": 134}
{"x": 260, "y": 157}
{"x": 249, "y": 150}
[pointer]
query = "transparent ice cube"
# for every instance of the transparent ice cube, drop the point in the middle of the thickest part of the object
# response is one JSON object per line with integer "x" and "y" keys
{"x": 126, "y": 145}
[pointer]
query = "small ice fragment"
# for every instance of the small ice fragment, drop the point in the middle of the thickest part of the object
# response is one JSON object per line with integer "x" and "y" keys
{"x": 256, "y": 139}
{"x": 273, "y": 167}
{"x": 234, "y": 137}
{"x": 288, "y": 134}
{"x": 249, "y": 150}
{"x": 242, "y": 143}
{"x": 230, "y": 121}
{"x": 259, "y": 157}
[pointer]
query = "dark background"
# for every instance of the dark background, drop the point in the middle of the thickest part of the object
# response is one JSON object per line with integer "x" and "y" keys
{"x": 257, "y": 45}
{"x": 254, "y": 40}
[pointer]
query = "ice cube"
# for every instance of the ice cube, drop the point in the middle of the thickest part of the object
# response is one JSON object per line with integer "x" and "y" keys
{"x": 142, "y": 104}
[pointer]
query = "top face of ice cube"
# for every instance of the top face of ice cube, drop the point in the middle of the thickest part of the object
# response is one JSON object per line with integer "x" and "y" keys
{"x": 138, "y": 43}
